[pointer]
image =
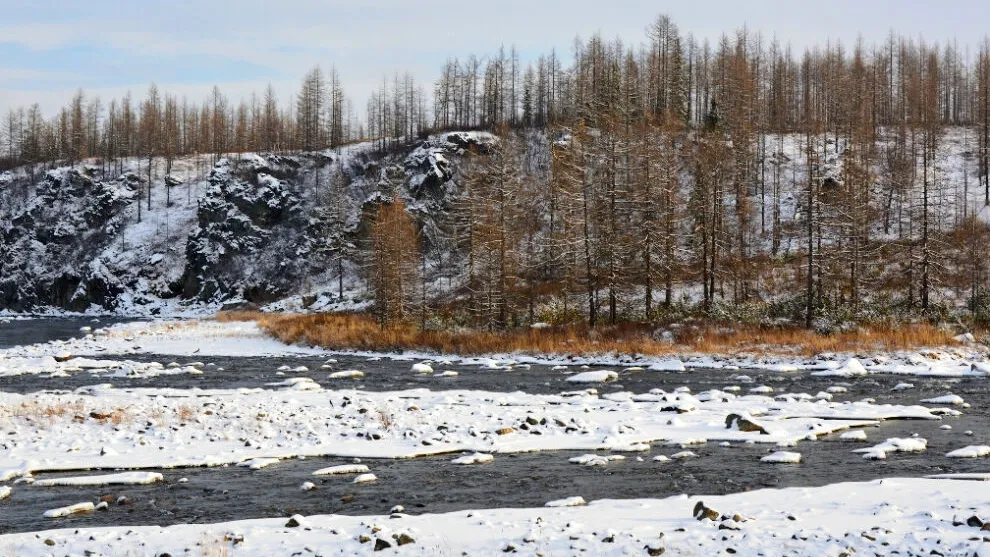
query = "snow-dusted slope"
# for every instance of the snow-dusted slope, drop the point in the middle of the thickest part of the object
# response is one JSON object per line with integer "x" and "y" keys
{"x": 249, "y": 227}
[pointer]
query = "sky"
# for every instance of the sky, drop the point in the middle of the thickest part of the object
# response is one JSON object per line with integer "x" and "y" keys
{"x": 51, "y": 48}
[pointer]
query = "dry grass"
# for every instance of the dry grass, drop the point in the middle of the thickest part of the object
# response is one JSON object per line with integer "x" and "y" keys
{"x": 360, "y": 332}
{"x": 76, "y": 411}
{"x": 185, "y": 414}
{"x": 34, "y": 409}
{"x": 211, "y": 546}
{"x": 116, "y": 416}
{"x": 386, "y": 419}
{"x": 228, "y": 316}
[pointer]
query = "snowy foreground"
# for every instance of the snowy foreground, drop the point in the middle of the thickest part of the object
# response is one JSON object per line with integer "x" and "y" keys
{"x": 109, "y": 430}
{"x": 103, "y": 427}
{"x": 883, "y": 517}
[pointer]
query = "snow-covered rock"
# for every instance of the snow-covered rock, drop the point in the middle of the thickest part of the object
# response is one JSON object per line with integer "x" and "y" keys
{"x": 422, "y": 368}
{"x": 593, "y": 377}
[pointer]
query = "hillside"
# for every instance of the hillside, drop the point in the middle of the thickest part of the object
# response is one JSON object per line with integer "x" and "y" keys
{"x": 514, "y": 236}
{"x": 250, "y": 228}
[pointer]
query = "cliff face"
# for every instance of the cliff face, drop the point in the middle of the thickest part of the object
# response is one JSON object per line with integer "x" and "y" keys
{"x": 253, "y": 229}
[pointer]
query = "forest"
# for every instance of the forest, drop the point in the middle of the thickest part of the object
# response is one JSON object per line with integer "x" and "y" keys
{"x": 644, "y": 181}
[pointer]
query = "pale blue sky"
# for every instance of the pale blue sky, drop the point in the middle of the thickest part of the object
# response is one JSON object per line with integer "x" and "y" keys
{"x": 48, "y": 48}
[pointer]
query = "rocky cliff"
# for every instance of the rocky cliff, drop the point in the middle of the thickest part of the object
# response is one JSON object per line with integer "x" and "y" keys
{"x": 245, "y": 229}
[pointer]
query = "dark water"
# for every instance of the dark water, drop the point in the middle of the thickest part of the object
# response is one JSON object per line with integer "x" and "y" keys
{"x": 225, "y": 372}
{"x": 430, "y": 485}
{"x": 30, "y": 331}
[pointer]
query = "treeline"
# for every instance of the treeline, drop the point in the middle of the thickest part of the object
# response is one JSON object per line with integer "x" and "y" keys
{"x": 736, "y": 181}
{"x": 669, "y": 76}
{"x": 163, "y": 125}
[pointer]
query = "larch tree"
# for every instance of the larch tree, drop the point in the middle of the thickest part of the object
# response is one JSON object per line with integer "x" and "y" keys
{"x": 395, "y": 264}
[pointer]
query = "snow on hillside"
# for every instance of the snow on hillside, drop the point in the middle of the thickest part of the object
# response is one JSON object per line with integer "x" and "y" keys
{"x": 248, "y": 228}
{"x": 262, "y": 228}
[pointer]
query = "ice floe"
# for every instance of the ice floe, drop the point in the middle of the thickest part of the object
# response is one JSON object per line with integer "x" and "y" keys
{"x": 124, "y": 478}
{"x": 782, "y": 457}
{"x": 107, "y": 428}
{"x": 972, "y": 451}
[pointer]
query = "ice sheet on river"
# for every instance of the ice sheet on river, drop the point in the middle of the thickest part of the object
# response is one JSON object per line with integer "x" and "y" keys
{"x": 64, "y": 365}
{"x": 181, "y": 338}
{"x": 103, "y": 427}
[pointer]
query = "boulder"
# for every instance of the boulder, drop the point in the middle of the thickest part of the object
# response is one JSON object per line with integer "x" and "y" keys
{"x": 743, "y": 423}
{"x": 701, "y": 512}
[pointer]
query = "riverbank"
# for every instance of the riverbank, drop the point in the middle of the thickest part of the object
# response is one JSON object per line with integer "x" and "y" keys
{"x": 360, "y": 332}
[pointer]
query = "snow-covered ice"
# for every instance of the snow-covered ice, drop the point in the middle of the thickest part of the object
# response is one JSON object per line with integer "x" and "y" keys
{"x": 782, "y": 457}
{"x": 971, "y": 476}
{"x": 342, "y": 469}
{"x": 575, "y": 501}
{"x": 258, "y": 463}
{"x": 594, "y": 459}
{"x": 181, "y": 338}
{"x": 476, "y": 458}
{"x": 893, "y": 445}
{"x": 83, "y": 507}
{"x": 123, "y": 478}
{"x": 972, "y": 451}
{"x": 593, "y": 377}
{"x": 855, "y": 435}
{"x": 230, "y": 426}
{"x": 669, "y": 364}
{"x": 950, "y": 398}
{"x": 852, "y": 368}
